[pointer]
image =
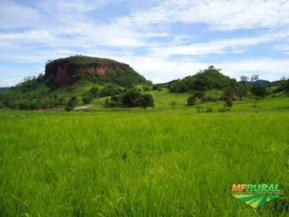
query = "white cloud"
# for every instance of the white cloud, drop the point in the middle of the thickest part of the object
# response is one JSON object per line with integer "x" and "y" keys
{"x": 206, "y": 48}
{"x": 159, "y": 70}
{"x": 235, "y": 14}
{"x": 162, "y": 70}
{"x": 69, "y": 26}
{"x": 80, "y": 35}
{"x": 267, "y": 68}
{"x": 283, "y": 47}
{"x": 111, "y": 35}
{"x": 51, "y": 29}
{"x": 67, "y": 12}
{"x": 76, "y": 29}
{"x": 220, "y": 46}
{"x": 8, "y": 82}
{"x": 10, "y": 76}
{"x": 71, "y": 6}
{"x": 219, "y": 14}
{"x": 29, "y": 36}
{"x": 14, "y": 15}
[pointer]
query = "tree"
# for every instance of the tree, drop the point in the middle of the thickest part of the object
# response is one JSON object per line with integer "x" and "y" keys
{"x": 254, "y": 78}
{"x": 155, "y": 87}
{"x": 286, "y": 86}
{"x": 61, "y": 101}
{"x": 146, "y": 100}
{"x": 241, "y": 90}
{"x": 131, "y": 97}
{"x": 228, "y": 102}
{"x": 94, "y": 92}
{"x": 178, "y": 86}
{"x": 191, "y": 100}
{"x": 229, "y": 93}
{"x": 283, "y": 85}
{"x": 110, "y": 90}
{"x": 199, "y": 94}
{"x": 244, "y": 79}
{"x": 71, "y": 104}
{"x": 115, "y": 100}
{"x": 146, "y": 88}
{"x": 87, "y": 99}
{"x": 28, "y": 105}
{"x": 259, "y": 90}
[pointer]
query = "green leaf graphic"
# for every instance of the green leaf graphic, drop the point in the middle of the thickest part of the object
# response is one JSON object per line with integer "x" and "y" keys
{"x": 255, "y": 200}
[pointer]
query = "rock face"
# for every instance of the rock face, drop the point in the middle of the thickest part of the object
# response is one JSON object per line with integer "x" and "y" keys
{"x": 63, "y": 75}
{"x": 66, "y": 71}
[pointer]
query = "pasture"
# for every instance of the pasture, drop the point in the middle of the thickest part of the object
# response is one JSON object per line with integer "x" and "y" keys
{"x": 136, "y": 163}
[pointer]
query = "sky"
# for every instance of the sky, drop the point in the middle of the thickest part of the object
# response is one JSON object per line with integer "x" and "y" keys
{"x": 161, "y": 39}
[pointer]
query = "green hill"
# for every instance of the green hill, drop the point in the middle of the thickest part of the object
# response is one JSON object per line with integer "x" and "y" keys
{"x": 208, "y": 79}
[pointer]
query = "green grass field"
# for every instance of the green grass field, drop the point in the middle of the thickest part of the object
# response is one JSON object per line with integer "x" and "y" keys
{"x": 136, "y": 163}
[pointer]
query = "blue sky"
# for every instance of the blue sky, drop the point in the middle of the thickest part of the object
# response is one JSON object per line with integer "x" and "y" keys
{"x": 161, "y": 39}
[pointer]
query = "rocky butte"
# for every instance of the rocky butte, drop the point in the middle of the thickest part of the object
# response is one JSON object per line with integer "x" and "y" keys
{"x": 68, "y": 70}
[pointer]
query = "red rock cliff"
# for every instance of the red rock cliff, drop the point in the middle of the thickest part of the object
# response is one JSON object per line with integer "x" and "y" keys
{"x": 63, "y": 76}
{"x": 68, "y": 70}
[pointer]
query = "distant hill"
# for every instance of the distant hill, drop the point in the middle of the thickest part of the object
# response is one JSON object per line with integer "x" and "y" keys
{"x": 163, "y": 85}
{"x": 4, "y": 89}
{"x": 262, "y": 82}
{"x": 69, "y": 70}
{"x": 207, "y": 79}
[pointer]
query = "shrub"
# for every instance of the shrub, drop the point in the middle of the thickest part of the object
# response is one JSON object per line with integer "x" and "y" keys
{"x": 199, "y": 109}
{"x": 259, "y": 90}
{"x": 68, "y": 108}
{"x": 115, "y": 100}
{"x": 209, "y": 109}
{"x": 94, "y": 92}
{"x": 71, "y": 104}
{"x": 157, "y": 87}
{"x": 191, "y": 100}
{"x": 241, "y": 90}
{"x": 286, "y": 86}
{"x": 199, "y": 94}
{"x": 28, "y": 106}
{"x": 110, "y": 90}
{"x": 228, "y": 102}
{"x": 130, "y": 98}
{"x": 12, "y": 105}
{"x": 224, "y": 109}
{"x": 146, "y": 100}
{"x": 87, "y": 99}
{"x": 146, "y": 88}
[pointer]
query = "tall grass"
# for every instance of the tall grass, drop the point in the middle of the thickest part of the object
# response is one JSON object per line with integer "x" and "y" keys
{"x": 139, "y": 164}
